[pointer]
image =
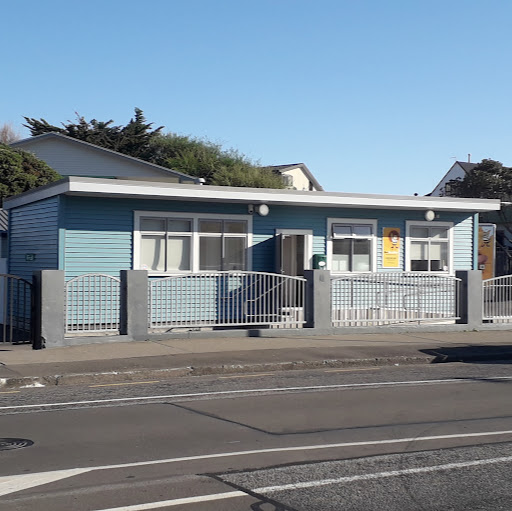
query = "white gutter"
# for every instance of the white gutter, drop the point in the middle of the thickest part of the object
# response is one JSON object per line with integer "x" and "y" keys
{"x": 224, "y": 194}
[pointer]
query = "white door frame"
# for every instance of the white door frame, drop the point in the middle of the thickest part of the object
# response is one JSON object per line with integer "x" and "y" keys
{"x": 308, "y": 243}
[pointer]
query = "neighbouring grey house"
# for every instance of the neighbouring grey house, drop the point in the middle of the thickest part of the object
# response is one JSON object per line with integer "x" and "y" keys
{"x": 217, "y": 257}
{"x": 501, "y": 219}
{"x": 71, "y": 157}
{"x": 457, "y": 171}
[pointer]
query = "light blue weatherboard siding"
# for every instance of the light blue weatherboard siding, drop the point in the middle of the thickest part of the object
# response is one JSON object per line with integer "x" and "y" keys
{"x": 281, "y": 217}
{"x": 98, "y": 232}
{"x": 463, "y": 244}
{"x": 33, "y": 229}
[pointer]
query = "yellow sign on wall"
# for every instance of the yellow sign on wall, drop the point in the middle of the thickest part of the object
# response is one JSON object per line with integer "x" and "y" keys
{"x": 391, "y": 247}
{"x": 486, "y": 244}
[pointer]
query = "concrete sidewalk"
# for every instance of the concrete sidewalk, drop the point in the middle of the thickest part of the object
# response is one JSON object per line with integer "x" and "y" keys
{"x": 136, "y": 361}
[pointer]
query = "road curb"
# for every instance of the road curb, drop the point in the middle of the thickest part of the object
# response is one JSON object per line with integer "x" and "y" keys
{"x": 92, "y": 378}
{"x": 98, "y": 378}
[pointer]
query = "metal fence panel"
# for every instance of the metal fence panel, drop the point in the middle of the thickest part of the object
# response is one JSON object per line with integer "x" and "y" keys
{"x": 92, "y": 303}
{"x": 497, "y": 299}
{"x": 16, "y": 309}
{"x": 226, "y": 299}
{"x": 391, "y": 298}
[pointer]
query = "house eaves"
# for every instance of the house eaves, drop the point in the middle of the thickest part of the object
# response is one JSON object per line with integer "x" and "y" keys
{"x": 96, "y": 187}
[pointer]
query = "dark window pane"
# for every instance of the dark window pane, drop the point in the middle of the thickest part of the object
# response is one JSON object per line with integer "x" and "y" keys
{"x": 210, "y": 254}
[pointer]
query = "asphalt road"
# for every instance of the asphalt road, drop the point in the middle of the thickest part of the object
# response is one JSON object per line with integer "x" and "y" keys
{"x": 435, "y": 437}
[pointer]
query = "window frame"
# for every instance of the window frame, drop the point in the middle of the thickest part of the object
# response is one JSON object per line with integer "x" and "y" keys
{"x": 409, "y": 224}
{"x": 352, "y": 221}
{"x": 195, "y": 237}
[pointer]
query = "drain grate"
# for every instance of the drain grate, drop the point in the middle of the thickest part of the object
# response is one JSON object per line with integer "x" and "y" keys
{"x": 6, "y": 444}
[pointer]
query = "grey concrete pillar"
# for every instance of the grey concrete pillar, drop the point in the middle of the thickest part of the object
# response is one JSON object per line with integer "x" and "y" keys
{"x": 134, "y": 304}
{"x": 318, "y": 299}
{"x": 470, "y": 298}
{"x": 50, "y": 308}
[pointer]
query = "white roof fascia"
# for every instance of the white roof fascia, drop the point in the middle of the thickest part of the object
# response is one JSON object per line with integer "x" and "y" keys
{"x": 170, "y": 191}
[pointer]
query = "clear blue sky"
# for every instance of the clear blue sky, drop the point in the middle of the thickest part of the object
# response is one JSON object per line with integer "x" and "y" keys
{"x": 374, "y": 96}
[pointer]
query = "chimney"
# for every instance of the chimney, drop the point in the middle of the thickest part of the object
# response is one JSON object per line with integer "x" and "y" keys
{"x": 469, "y": 158}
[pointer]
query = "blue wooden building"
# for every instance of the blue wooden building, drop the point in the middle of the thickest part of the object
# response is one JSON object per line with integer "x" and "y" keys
{"x": 86, "y": 225}
{"x": 224, "y": 256}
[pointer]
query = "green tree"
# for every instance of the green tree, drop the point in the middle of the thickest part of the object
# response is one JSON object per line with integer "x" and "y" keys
{"x": 133, "y": 139}
{"x": 489, "y": 179}
{"x": 21, "y": 171}
{"x": 202, "y": 158}
{"x": 190, "y": 155}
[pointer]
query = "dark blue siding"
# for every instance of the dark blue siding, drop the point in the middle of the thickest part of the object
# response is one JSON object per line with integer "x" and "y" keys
{"x": 34, "y": 229}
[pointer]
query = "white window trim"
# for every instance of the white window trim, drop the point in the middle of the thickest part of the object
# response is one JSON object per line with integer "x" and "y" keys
{"x": 414, "y": 223}
{"x": 308, "y": 243}
{"x": 367, "y": 221}
{"x": 194, "y": 245}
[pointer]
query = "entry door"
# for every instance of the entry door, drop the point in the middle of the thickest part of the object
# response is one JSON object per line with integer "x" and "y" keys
{"x": 293, "y": 250}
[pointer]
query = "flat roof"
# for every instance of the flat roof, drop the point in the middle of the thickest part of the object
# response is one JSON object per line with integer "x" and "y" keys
{"x": 121, "y": 188}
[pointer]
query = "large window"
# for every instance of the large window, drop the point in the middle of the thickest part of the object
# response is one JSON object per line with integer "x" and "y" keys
{"x": 173, "y": 243}
{"x": 222, "y": 244}
{"x": 429, "y": 246}
{"x": 351, "y": 245}
{"x": 165, "y": 244}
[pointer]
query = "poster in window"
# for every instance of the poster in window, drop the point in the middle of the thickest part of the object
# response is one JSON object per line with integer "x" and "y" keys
{"x": 486, "y": 244}
{"x": 391, "y": 247}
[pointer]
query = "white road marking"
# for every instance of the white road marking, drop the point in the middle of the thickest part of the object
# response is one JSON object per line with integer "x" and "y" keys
{"x": 11, "y": 484}
{"x": 255, "y": 391}
{"x": 379, "y": 475}
{"x": 20, "y": 482}
{"x": 178, "y": 502}
{"x": 310, "y": 484}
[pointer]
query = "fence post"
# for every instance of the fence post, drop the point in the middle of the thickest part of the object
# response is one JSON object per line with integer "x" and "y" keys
{"x": 470, "y": 298}
{"x": 134, "y": 304}
{"x": 318, "y": 299}
{"x": 49, "y": 308}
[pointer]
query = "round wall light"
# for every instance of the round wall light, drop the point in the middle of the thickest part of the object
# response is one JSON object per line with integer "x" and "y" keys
{"x": 263, "y": 210}
{"x": 429, "y": 215}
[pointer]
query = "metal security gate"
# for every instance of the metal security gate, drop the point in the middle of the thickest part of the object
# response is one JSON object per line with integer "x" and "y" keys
{"x": 16, "y": 310}
{"x": 227, "y": 299}
{"x": 393, "y": 298}
{"x": 92, "y": 304}
{"x": 497, "y": 299}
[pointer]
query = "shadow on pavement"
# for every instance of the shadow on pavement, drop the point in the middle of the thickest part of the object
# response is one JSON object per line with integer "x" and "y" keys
{"x": 471, "y": 354}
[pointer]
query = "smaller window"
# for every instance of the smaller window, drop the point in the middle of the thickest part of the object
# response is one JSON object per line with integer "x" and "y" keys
{"x": 287, "y": 180}
{"x": 344, "y": 230}
{"x": 152, "y": 224}
{"x": 352, "y": 247}
{"x": 429, "y": 248}
{"x": 178, "y": 225}
{"x": 213, "y": 226}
